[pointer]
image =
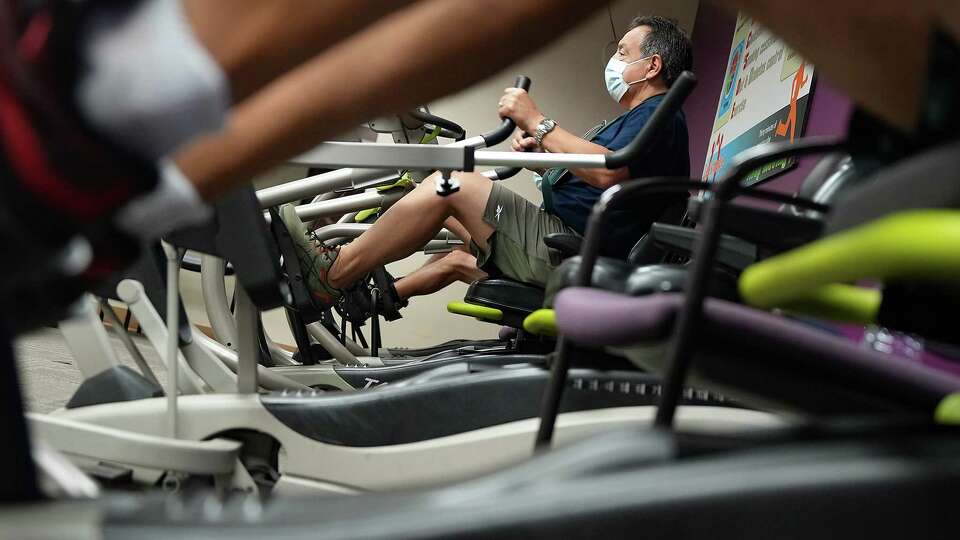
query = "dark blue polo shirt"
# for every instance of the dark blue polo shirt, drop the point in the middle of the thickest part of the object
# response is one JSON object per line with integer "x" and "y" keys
{"x": 668, "y": 156}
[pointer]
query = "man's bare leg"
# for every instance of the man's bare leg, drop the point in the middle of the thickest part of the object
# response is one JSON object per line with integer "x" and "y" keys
{"x": 411, "y": 57}
{"x": 457, "y": 265}
{"x": 458, "y": 230}
{"x": 443, "y": 269}
{"x": 410, "y": 223}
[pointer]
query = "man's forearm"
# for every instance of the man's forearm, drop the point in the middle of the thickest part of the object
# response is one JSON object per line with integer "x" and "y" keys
{"x": 415, "y": 55}
{"x": 562, "y": 141}
{"x": 255, "y": 41}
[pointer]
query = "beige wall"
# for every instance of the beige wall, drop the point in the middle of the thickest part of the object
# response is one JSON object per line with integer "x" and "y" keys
{"x": 568, "y": 86}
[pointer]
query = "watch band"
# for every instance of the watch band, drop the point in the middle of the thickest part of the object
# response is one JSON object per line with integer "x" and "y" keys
{"x": 543, "y": 128}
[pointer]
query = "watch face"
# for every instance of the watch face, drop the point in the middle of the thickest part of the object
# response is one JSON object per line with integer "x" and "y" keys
{"x": 545, "y": 126}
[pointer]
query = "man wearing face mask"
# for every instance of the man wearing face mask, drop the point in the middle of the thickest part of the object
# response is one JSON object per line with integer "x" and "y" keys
{"x": 503, "y": 230}
{"x": 649, "y": 58}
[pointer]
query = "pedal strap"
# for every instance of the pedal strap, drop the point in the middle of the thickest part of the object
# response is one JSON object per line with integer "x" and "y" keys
{"x": 390, "y": 300}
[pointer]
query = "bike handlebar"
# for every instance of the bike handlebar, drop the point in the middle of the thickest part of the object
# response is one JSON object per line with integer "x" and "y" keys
{"x": 506, "y": 127}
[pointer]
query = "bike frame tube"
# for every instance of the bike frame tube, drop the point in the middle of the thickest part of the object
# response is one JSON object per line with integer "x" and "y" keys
{"x": 311, "y": 186}
{"x": 541, "y": 160}
{"x": 336, "y": 208}
{"x": 215, "y": 301}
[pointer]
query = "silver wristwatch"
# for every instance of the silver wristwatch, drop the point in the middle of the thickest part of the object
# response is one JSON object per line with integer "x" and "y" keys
{"x": 545, "y": 126}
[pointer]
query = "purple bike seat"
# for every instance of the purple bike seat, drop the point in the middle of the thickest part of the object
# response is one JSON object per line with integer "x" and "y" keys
{"x": 601, "y": 318}
{"x": 753, "y": 341}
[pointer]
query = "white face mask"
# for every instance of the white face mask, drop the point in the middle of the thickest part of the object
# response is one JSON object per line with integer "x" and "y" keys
{"x": 613, "y": 74}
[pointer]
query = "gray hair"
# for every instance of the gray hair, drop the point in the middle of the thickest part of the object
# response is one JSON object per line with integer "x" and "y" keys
{"x": 668, "y": 41}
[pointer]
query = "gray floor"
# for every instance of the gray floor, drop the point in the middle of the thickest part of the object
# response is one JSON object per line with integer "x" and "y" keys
{"x": 48, "y": 373}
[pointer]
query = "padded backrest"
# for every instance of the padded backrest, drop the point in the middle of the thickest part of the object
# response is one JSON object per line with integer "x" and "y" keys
{"x": 834, "y": 175}
{"x": 675, "y": 213}
{"x": 824, "y": 169}
{"x": 928, "y": 180}
{"x": 845, "y": 176}
{"x": 790, "y": 226}
{"x": 645, "y": 251}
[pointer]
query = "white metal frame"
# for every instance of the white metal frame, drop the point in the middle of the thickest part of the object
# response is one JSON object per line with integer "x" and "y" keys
{"x": 309, "y": 465}
{"x": 138, "y": 434}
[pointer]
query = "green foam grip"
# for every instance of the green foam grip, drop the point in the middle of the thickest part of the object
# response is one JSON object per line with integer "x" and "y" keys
{"x": 364, "y": 214}
{"x": 404, "y": 182}
{"x": 430, "y": 137}
{"x": 948, "y": 411}
{"x": 483, "y": 313}
{"x": 915, "y": 245}
{"x": 542, "y": 322}
{"x": 838, "y": 302}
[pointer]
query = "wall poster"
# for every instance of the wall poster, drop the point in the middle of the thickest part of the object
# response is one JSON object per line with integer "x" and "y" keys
{"x": 765, "y": 97}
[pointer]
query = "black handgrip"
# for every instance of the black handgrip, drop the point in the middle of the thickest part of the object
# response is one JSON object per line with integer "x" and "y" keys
{"x": 507, "y": 126}
{"x": 522, "y": 82}
{"x": 506, "y": 172}
{"x": 665, "y": 112}
{"x": 428, "y": 118}
{"x": 447, "y": 134}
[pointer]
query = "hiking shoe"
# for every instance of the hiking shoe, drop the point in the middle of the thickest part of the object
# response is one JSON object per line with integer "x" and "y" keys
{"x": 315, "y": 259}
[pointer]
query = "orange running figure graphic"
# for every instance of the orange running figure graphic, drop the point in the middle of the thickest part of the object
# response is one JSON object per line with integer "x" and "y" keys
{"x": 715, "y": 163}
{"x": 799, "y": 79}
{"x": 718, "y": 163}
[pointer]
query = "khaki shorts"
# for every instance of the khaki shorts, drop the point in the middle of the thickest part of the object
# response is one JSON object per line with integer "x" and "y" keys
{"x": 516, "y": 245}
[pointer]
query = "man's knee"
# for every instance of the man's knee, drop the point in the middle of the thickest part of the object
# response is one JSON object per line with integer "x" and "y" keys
{"x": 426, "y": 192}
{"x": 467, "y": 205}
{"x": 471, "y": 185}
{"x": 474, "y": 184}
